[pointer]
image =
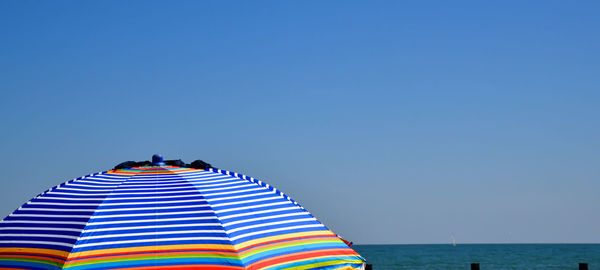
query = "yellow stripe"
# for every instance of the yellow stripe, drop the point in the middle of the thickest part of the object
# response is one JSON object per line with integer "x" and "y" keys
{"x": 313, "y": 265}
{"x": 346, "y": 268}
{"x": 244, "y": 255}
{"x": 281, "y": 237}
{"x": 183, "y": 170}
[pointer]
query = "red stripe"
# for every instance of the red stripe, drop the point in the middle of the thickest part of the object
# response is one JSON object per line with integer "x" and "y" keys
{"x": 24, "y": 253}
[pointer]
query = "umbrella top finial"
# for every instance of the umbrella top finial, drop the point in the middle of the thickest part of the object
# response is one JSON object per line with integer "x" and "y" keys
{"x": 157, "y": 160}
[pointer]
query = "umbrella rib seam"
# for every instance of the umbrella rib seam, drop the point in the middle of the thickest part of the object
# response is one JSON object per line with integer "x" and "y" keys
{"x": 215, "y": 213}
{"x": 93, "y": 213}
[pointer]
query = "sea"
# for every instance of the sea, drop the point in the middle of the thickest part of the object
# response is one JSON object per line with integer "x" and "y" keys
{"x": 489, "y": 256}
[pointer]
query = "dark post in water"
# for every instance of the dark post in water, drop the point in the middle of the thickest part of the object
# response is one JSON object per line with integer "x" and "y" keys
{"x": 583, "y": 266}
{"x": 474, "y": 266}
{"x": 369, "y": 267}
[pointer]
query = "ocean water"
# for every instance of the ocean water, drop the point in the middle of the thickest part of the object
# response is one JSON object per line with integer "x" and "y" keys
{"x": 490, "y": 256}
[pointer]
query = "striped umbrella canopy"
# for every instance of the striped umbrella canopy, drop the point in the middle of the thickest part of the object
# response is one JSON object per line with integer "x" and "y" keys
{"x": 168, "y": 216}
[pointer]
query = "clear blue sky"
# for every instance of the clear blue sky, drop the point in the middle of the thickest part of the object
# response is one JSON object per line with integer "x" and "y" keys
{"x": 391, "y": 121}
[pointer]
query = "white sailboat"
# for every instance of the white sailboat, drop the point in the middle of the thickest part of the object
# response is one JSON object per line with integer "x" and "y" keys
{"x": 453, "y": 241}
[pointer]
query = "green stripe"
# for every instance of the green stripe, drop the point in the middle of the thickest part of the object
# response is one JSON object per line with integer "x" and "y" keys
{"x": 30, "y": 260}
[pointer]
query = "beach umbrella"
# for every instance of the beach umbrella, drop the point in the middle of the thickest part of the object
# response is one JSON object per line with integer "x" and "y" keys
{"x": 168, "y": 215}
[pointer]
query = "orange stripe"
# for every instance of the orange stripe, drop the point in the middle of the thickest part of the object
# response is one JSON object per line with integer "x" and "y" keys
{"x": 36, "y": 251}
{"x": 161, "y": 172}
{"x": 121, "y": 172}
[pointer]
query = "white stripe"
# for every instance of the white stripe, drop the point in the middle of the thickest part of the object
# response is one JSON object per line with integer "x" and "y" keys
{"x": 148, "y": 240}
{"x": 114, "y": 193}
{"x": 127, "y": 185}
{"x": 86, "y": 190}
{"x": 165, "y": 177}
{"x": 152, "y": 197}
{"x": 64, "y": 204}
{"x": 100, "y": 184}
{"x": 76, "y": 194}
{"x": 218, "y": 179}
{"x": 161, "y": 177}
{"x": 220, "y": 189}
{"x": 148, "y": 208}
{"x": 266, "y": 192}
{"x": 247, "y": 201}
{"x": 36, "y": 242}
{"x": 155, "y": 188}
{"x": 107, "y": 175}
{"x": 264, "y": 218}
{"x": 56, "y": 209}
{"x": 190, "y": 189}
{"x": 44, "y": 222}
{"x": 219, "y": 183}
{"x": 105, "y": 179}
{"x": 53, "y": 216}
{"x": 249, "y": 207}
{"x": 68, "y": 199}
{"x": 149, "y": 233}
{"x": 116, "y": 199}
{"x": 38, "y": 235}
{"x": 91, "y": 186}
{"x": 40, "y": 229}
{"x": 155, "y": 203}
{"x": 190, "y": 183}
{"x": 275, "y": 230}
{"x": 147, "y": 220}
{"x": 269, "y": 224}
{"x": 154, "y": 182}
{"x": 98, "y": 180}
{"x": 162, "y": 180}
{"x": 152, "y": 214}
{"x": 150, "y": 227}
{"x": 212, "y": 196}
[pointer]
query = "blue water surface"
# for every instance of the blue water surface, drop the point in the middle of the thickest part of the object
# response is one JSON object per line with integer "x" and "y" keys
{"x": 490, "y": 256}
